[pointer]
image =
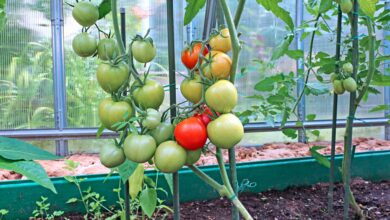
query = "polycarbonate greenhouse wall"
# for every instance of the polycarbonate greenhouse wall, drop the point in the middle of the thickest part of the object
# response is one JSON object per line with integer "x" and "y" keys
{"x": 44, "y": 85}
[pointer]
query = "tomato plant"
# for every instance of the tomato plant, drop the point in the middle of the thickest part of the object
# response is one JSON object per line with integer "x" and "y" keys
{"x": 222, "y": 96}
{"x": 217, "y": 65}
{"x": 143, "y": 49}
{"x": 226, "y": 131}
{"x": 190, "y": 55}
{"x": 84, "y": 45}
{"x": 85, "y": 13}
{"x": 111, "y": 112}
{"x": 107, "y": 49}
{"x": 191, "y": 133}
{"x": 139, "y": 148}
{"x": 111, "y": 77}
{"x": 111, "y": 156}
{"x": 149, "y": 95}
{"x": 170, "y": 157}
{"x": 221, "y": 41}
{"x": 192, "y": 89}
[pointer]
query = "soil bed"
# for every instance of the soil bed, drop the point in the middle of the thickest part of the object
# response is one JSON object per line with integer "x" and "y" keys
{"x": 298, "y": 203}
{"x": 90, "y": 164}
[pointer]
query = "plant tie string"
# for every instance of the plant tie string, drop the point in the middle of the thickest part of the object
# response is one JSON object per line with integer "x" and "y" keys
{"x": 358, "y": 36}
{"x": 232, "y": 197}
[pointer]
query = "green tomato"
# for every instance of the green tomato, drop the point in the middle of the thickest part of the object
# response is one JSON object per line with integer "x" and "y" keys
{"x": 226, "y": 131}
{"x": 333, "y": 77}
{"x": 111, "y": 156}
{"x": 338, "y": 87}
{"x": 349, "y": 84}
{"x": 112, "y": 77}
{"x": 348, "y": 68}
{"x": 84, "y": 45}
{"x": 170, "y": 157}
{"x": 85, "y": 13}
{"x": 162, "y": 132}
{"x": 193, "y": 156}
{"x": 222, "y": 96}
{"x": 111, "y": 112}
{"x": 152, "y": 119}
{"x": 143, "y": 50}
{"x": 192, "y": 89}
{"x": 150, "y": 95}
{"x": 139, "y": 148}
{"x": 107, "y": 49}
{"x": 346, "y": 6}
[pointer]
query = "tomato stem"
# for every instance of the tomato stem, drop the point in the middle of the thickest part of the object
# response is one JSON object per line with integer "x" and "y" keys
{"x": 114, "y": 12}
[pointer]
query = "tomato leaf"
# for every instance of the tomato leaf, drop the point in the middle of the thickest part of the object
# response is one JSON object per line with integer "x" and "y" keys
{"x": 289, "y": 132}
{"x": 136, "y": 181}
{"x": 325, "y": 5}
{"x": 282, "y": 48}
{"x": 14, "y": 149}
{"x": 169, "y": 179}
{"x": 295, "y": 54}
{"x": 104, "y": 8}
{"x": 368, "y": 7}
{"x": 126, "y": 169}
{"x": 380, "y": 80}
{"x": 316, "y": 88}
{"x": 279, "y": 12}
{"x": 192, "y": 9}
{"x": 100, "y": 131}
{"x": 311, "y": 117}
{"x": 148, "y": 200}
{"x": 3, "y": 16}
{"x": 321, "y": 159}
{"x": 379, "y": 108}
{"x": 30, "y": 169}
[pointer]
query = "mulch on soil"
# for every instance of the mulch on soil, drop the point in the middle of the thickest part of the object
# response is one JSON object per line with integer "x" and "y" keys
{"x": 297, "y": 203}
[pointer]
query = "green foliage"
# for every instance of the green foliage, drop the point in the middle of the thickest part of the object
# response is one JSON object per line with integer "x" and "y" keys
{"x": 18, "y": 156}
{"x": 3, "y": 212}
{"x": 3, "y": 16}
{"x": 126, "y": 169}
{"x": 321, "y": 159}
{"x": 43, "y": 208}
{"x": 192, "y": 9}
{"x": 148, "y": 200}
{"x": 368, "y": 7}
{"x": 14, "y": 149}
{"x": 104, "y": 8}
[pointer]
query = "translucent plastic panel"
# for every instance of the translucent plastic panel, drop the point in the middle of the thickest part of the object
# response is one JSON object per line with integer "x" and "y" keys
{"x": 83, "y": 91}
{"x": 26, "y": 86}
{"x": 322, "y": 105}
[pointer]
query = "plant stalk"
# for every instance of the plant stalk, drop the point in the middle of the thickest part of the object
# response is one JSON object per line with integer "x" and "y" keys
{"x": 334, "y": 116}
{"x": 236, "y": 48}
{"x": 222, "y": 190}
{"x": 114, "y": 12}
{"x": 346, "y": 166}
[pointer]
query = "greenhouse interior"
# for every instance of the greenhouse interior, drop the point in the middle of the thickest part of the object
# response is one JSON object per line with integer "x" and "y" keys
{"x": 195, "y": 109}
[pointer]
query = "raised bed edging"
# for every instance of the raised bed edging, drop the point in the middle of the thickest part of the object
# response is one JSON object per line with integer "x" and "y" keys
{"x": 19, "y": 197}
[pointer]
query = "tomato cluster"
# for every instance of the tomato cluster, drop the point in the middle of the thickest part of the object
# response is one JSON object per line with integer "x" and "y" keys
{"x": 344, "y": 82}
{"x": 133, "y": 107}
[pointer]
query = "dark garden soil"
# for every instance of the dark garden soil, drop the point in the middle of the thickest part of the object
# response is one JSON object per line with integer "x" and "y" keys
{"x": 298, "y": 203}
{"x": 295, "y": 203}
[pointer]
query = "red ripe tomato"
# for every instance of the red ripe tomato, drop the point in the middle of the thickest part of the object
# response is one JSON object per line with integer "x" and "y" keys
{"x": 190, "y": 58}
{"x": 205, "y": 115}
{"x": 191, "y": 133}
